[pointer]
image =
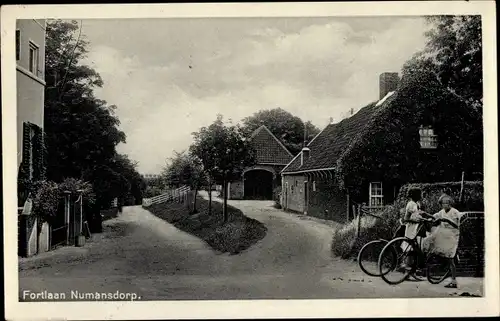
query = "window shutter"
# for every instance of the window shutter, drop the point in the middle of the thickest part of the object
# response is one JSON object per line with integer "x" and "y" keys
{"x": 38, "y": 150}
{"x": 25, "y": 163}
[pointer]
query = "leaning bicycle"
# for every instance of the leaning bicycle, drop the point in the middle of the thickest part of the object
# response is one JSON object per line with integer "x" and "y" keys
{"x": 401, "y": 257}
{"x": 370, "y": 252}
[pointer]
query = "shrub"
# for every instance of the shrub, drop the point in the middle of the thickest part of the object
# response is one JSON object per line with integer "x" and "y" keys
{"x": 74, "y": 185}
{"x": 473, "y": 195}
{"x": 45, "y": 199}
{"x": 344, "y": 244}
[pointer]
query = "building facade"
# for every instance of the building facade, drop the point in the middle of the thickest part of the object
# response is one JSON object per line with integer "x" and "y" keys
{"x": 365, "y": 158}
{"x": 30, "y": 80}
{"x": 260, "y": 180}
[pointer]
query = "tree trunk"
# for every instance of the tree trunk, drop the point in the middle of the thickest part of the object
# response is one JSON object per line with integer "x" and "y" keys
{"x": 209, "y": 196}
{"x": 194, "y": 202}
{"x": 224, "y": 208}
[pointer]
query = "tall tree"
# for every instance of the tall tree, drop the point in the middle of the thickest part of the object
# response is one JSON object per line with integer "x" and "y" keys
{"x": 81, "y": 130}
{"x": 447, "y": 74}
{"x": 224, "y": 152}
{"x": 289, "y": 129}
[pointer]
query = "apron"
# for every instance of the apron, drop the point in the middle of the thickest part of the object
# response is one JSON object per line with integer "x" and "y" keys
{"x": 443, "y": 239}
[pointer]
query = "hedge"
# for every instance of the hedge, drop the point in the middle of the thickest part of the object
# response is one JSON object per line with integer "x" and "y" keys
{"x": 344, "y": 244}
{"x": 473, "y": 195}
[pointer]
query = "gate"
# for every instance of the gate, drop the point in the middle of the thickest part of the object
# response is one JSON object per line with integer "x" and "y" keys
{"x": 59, "y": 226}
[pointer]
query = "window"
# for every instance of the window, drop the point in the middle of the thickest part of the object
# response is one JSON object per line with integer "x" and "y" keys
{"x": 427, "y": 137}
{"x": 18, "y": 44}
{"x": 314, "y": 186}
{"x": 33, "y": 58}
{"x": 376, "y": 194}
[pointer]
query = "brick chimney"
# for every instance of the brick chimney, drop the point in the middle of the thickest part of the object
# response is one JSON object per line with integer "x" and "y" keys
{"x": 388, "y": 82}
{"x": 304, "y": 155}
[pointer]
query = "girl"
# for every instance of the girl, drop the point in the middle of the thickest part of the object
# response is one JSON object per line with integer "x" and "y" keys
{"x": 411, "y": 219}
{"x": 444, "y": 239}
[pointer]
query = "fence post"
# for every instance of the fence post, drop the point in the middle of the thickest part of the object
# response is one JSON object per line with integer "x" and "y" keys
{"x": 67, "y": 216}
{"x": 358, "y": 223}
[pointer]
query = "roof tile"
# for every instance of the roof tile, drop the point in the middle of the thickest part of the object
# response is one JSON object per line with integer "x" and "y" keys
{"x": 327, "y": 148}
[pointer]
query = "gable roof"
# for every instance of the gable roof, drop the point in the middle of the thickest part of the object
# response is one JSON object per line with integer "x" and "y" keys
{"x": 329, "y": 146}
{"x": 268, "y": 148}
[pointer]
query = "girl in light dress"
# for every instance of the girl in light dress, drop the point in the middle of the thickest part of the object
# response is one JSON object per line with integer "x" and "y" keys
{"x": 443, "y": 240}
{"x": 411, "y": 221}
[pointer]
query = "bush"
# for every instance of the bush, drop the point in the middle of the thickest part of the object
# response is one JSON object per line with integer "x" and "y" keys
{"x": 344, "y": 244}
{"x": 45, "y": 199}
{"x": 473, "y": 195}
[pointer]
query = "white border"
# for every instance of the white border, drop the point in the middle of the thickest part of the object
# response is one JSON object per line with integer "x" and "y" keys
{"x": 488, "y": 305}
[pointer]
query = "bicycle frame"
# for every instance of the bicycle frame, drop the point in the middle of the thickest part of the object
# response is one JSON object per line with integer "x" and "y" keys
{"x": 413, "y": 244}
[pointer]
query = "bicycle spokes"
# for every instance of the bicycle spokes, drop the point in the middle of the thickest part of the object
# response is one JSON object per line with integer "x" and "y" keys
{"x": 397, "y": 260}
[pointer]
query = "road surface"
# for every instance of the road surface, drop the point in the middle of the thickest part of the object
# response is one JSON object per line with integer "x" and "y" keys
{"x": 142, "y": 254}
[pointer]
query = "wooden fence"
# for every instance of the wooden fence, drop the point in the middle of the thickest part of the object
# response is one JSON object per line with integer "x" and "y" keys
{"x": 178, "y": 195}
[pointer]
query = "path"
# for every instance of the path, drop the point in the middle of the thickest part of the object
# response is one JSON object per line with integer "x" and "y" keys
{"x": 140, "y": 253}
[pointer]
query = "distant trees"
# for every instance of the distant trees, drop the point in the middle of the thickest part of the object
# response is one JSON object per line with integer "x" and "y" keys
{"x": 81, "y": 130}
{"x": 289, "y": 129}
{"x": 184, "y": 169}
{"x": 223, "y": 152}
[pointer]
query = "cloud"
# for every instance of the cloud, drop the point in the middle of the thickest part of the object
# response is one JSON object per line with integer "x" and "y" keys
{"x": 168, "y": 86}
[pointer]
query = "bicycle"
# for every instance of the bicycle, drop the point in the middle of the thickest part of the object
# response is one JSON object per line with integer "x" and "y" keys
{"x": 370, "y": 252}
{"x": 395, "y": 252}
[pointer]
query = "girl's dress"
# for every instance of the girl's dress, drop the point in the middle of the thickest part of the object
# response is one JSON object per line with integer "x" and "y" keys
{"x": 443, "y": 240}
{"x": 413, "y": 211}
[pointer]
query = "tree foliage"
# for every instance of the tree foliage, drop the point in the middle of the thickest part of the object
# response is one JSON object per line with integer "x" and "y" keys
{"x": 289, "y": 129}
{"x": 81, "y": 130}
{"x": 440, "y": 87}
{"x": 183, "y": 169}
{"x": 224, "y": 152}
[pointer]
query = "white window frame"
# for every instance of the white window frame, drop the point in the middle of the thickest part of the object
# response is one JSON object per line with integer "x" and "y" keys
{"x": 18, "y": 44}
{"x": 34, "y": 65}
{"x": 428, "y": 139}
{"x": 376, "y": 196}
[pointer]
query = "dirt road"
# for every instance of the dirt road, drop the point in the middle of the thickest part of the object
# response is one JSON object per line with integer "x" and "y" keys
{"x": 142, "y": 254}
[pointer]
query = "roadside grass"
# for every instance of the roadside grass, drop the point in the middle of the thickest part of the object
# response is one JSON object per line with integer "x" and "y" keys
{"x": 234, "y": 236}
{"x": 347, "y": 246}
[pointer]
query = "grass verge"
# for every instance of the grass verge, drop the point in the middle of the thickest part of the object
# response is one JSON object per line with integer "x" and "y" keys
{"x": 234, "y": 236}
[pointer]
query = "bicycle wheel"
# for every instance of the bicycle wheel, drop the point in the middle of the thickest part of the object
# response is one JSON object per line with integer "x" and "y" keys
{"x": 438, "y": 269}
{"x": 393, "y": 256}
{"x": 368, "y": 257}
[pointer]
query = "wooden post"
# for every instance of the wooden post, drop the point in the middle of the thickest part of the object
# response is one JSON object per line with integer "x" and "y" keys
{"x": 67, "y": 210}
{"x": 461, "y": 189}
{"x": 358, "y": 223}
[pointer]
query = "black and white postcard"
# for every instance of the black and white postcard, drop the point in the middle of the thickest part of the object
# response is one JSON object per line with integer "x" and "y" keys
{"x": 250, "y": 160}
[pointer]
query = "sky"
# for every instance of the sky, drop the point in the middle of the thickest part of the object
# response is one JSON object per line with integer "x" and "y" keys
{"x": 169, "y": 77}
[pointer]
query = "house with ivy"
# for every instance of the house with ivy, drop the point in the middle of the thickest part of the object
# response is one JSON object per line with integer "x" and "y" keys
{"x": 30, "y": 81}
{"x": 260, "y": 180}
{"x": 367, "y": 157}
